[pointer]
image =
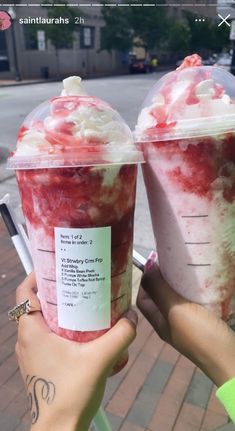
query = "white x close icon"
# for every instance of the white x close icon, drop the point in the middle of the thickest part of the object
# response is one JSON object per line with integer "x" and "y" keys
{"x": 224, "y": 20}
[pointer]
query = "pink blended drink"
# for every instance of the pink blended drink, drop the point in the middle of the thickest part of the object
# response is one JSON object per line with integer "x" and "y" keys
{"x": 187, "y": 133}
{"x": 76, "y": 168}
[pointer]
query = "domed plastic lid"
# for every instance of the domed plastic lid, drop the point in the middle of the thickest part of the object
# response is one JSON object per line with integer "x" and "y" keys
{"x": 192, "y": 101}
{"x": 73, "y": 130}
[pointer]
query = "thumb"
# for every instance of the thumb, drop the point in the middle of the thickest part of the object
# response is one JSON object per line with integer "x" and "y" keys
{"x": 163, "y": 296}
{"x": 112, "y": 344}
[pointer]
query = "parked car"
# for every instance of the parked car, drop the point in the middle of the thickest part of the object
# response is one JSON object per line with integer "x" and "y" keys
{"x": 139, "y": 66}
{"x": 224, "y": 60}
{"x": 210, "y": 61}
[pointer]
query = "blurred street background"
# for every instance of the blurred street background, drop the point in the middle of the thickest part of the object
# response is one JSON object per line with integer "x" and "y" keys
{"x": 124, "y": 93}
{"x": 120, "y": 49}
{"x": 49, "y": 39}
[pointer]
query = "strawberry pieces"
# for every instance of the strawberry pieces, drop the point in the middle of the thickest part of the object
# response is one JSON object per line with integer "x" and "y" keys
{"x": 191, "y": 61}
{"x": 21, "y": 133}
{"x": 63, "y": 106}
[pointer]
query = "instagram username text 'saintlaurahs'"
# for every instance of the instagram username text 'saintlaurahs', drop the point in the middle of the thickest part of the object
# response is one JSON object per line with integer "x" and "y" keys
{"x": 58, "y": 20}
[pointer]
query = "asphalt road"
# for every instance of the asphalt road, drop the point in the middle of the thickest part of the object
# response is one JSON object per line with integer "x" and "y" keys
{"x": 124, "y": 93}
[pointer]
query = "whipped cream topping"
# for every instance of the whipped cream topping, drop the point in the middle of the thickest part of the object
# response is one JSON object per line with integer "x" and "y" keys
{"x": 33, "y": 143}
{"x": 73, "y": 87}
{"x": 205, "y": 89}
{"x": 73, "y": 123}
{"x": 192, "y": 101}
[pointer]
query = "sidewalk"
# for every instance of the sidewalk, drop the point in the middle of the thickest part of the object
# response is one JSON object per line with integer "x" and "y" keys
{"x": 159, "y": 390}
{"x": 12, "y": 82}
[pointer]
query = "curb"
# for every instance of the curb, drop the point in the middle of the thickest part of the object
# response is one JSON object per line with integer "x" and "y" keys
{"x": 16, "y": 84}
{"x": 47, "y": 81}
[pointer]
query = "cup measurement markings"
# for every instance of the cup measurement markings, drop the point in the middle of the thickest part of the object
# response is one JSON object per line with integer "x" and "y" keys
{"x": 120, "y": 245}
{"x": 197, "y": 242}
{"x": 113, "y": 300}
{"x": 46, "y": 251}
{"x": 49, "y": 279}
{"x": 115, "y": 275}
{"x": 195, "y": 216}
{"x": 119, "y": 297}
{"x": 51, "y": 303}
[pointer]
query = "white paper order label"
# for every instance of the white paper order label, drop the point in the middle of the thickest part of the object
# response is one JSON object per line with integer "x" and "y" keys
{"x": 83, "y": 278}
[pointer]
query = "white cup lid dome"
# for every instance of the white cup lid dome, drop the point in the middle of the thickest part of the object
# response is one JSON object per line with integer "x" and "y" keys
{"x": 71, "y": 130}
{"x": 192, "y": 101}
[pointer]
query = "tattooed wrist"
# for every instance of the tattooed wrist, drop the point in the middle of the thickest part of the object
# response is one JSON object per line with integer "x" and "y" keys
{"x": 40, "y": 391}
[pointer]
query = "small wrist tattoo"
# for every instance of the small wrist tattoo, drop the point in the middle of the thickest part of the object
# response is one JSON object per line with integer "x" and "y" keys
{"x": 39, "y": 390}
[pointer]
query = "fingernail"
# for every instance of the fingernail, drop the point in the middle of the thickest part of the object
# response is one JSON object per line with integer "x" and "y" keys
{"x": 152, "y": 259}
{"x": 132, "y": 316}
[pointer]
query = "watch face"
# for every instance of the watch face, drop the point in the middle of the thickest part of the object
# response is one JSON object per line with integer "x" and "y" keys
{"x": 5, "y": 20}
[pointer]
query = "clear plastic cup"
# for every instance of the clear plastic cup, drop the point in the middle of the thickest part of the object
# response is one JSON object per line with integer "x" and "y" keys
{"x": 186, "y": 130}
{"x": 79, "y": 211}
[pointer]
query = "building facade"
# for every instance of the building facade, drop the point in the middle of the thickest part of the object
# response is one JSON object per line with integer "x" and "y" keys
{"x": 35, "y": 57}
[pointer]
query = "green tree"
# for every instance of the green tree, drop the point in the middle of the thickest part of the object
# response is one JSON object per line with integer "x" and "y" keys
{"x": 150, "y": 24}
{"x": 60, "y": 35}
{"x": 117, "y": 33}
{"x": 179, "y": 38}
{"x": 207, "y": 35}
{"x": 124, "y": 25}
{"x": 220, "y": 37}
